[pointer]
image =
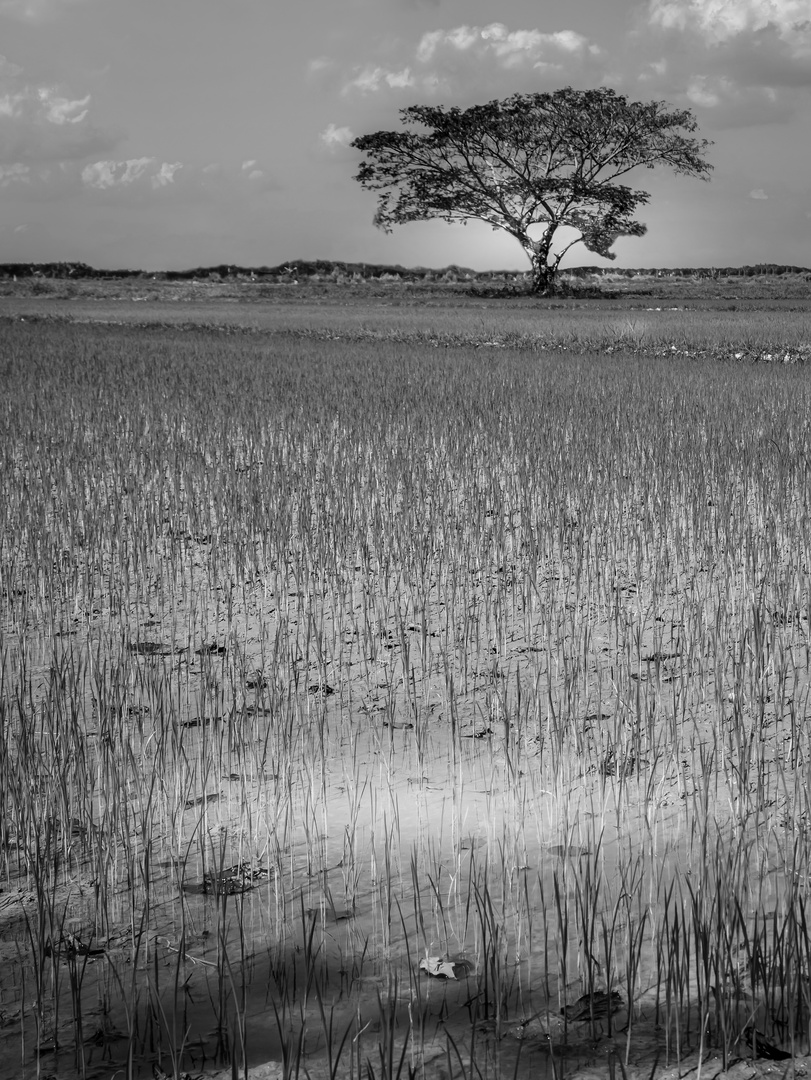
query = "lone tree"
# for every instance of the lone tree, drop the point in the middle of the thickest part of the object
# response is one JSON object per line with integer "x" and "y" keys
{"x": 533, "y": 159}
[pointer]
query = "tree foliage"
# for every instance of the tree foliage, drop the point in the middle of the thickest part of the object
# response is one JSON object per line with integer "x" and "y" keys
{"x": 555, "y": 159}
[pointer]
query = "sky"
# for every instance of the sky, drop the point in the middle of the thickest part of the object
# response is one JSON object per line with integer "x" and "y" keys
{"x": 171, "y": 134}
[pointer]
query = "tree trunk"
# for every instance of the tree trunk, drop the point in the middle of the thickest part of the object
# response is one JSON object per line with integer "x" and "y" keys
{"x": 543, "y": 278}
{"x": 543, "y": 275}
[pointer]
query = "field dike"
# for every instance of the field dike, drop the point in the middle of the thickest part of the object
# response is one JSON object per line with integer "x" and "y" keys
{"x": 370, "y": 710}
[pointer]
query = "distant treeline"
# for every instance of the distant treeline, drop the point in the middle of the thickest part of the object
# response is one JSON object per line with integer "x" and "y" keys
{"x": 326, "y": 269}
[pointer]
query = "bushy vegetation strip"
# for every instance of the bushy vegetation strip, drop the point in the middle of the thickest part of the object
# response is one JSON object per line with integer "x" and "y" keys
{"x": 779, "y": 341}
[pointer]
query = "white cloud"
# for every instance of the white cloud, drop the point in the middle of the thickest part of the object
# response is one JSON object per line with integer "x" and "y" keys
{"x": 758, "y": 193}
{"x": 135, "y": 168}
{"x": 16, "y": 173}
{"x": 250, "y": 171}
{"x": 9, "y": 70}
{"x": 434, "y": 84}
{"x": 42, "y": 123}
{"x": 733, "y": 104}
{"x": 749, "y": 61}
{"x": 229, "y": 180}
{"x": 654, "y": 69}
{"x": 166, "y": 174}
{"x": 99, "y": 175}
{"x": 325, "y": 73}
{"x": 371, "y": 79}
{"x": 334, "y": 137}
{"x": 34, "y": 11}
{"x": 122, "y": 174}
{"x": 44, "y": 103}
{"x": 509, "y": 48}
{"x": 709, "y": 91}
{"x": 59, "y": 110}
{"x": 720, "y": 20}
{"x": 398, "y": 80}
{"x": 319, "y": 64}
{"x": 462, "y": 38}
{"x": 463, "y": 58}
{"x": 10, "y": 104}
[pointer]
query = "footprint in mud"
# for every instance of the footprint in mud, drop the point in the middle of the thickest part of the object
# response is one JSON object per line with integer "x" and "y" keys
{"x": 151, "y": 648}
{"x": 212, "y": 650}
{"x": 201, "y": 799}
{"x": 573, "y": 851}
{"x": 471, "y": 843}
{"x": 332, "y": 914}
{"x": 321, "y": 689}
{"x": 233, "y": 880}
{"x": 199, "y": 721}
{"x": 104, "y": 1036}
{"x": 596, "y": 1006}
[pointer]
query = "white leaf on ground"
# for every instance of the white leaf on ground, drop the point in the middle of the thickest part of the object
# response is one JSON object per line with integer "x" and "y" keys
{"x": 439, "y": 968}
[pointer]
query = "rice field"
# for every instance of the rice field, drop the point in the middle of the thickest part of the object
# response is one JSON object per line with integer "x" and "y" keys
{"x": 400, "y": 695}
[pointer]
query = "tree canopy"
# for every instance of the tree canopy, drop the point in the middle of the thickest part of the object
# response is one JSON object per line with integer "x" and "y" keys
{"x": 554, "y": 159}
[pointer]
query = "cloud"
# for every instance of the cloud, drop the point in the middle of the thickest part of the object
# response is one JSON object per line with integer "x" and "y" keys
{"x": 334, "y": 137}
{"x": 763, "y": 43}
{"x": 326, "y": 74}
{"x": 758, "y": 193}
{"x": 43, "y": 103}
{"x": 9, "y": 70}
{"x": 139, "y": 173}
{"x": 136, "y": 183}
{"x": 250, "y": 171}
{"x": 726, "y": 103}
{"x": 445, "y": 59}
{"x": 369, "y": 80}
{"x": 654, "y": 69}
{"x": 42, "y": 123}
{"x": 218, "y": 180}
{"x": 166, "y": 174}
{"x": 720, "y": 20}
{"x": 9, "y": 104}
{"x": 59, "y": 110}
{"x": 35, "y": 11}
{"x": 319, "y": 64}
{"x": 709, "y": 92}
{"x": 99, "y": 175}
{"x": 746, "y": 61}
{"x": 508, "y": 48}
{"x": 134, "y": 169}
{"x": 17, "y": 173}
